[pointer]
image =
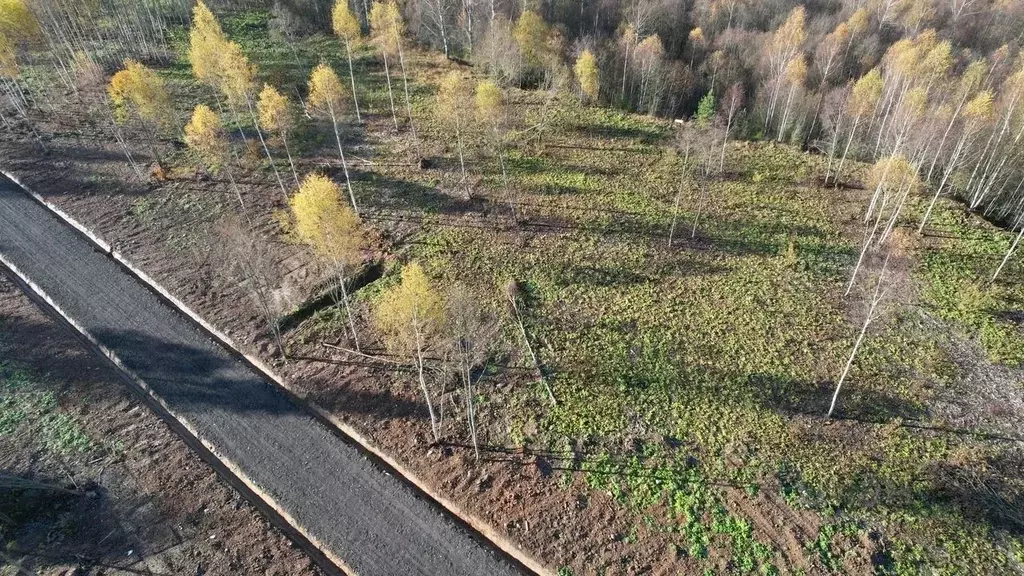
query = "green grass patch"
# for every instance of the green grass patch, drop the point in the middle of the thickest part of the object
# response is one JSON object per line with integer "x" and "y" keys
{"x": 958, "y": 283}
{"x": 26, "y": 406}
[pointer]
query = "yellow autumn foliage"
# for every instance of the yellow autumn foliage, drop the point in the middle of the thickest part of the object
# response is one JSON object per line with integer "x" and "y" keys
{"x": 796, "y": 71}
{"x": 138, "y": 89}
{"x": 937, "y": 63}
{"x": 326, "y": 92}
{"x": 204, "y": 134}
{"x": 980, "y": 107}
{"x": 206, "y": 41}
{"x": 790, "y": 35}
{"x": 272, "y": 108}
{"x": 237, "y": 75}
{"x": 893, "y": 174}
{"x": 386, "y": 26}
{"x": 344, "y": 22}
{"x": 453, "y": 98}
{"x": 17, "y": 22}
{"x": 587, "y": 75}
{"x": 488, "y": 103}
{"x": 329, "y": 227}
{"x": 916, "y": 101}
{"x": 530, "y": 34}
{"x": 866, "y": 92}
{"x": 410, "y": 312}
{"x": 858, "y": 21}
{"x": 973, "y": 77}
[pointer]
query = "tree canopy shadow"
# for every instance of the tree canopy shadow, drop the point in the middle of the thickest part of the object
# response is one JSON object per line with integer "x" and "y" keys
{"x": 103, "y": 526}
{"x": 992, "y": 496}
{"x": 403, "y": 195}
{"x": 74, "y": 177}
{"x": 329, "y": 294}
{"x": 795, "y": 397}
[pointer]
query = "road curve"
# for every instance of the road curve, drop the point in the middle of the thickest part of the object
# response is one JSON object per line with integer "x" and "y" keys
{"x": 354, "y": 510}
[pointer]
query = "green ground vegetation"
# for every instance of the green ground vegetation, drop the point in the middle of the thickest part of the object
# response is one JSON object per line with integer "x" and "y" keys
{"x": 712, "y": 361}
{"x": 30, "y": 408}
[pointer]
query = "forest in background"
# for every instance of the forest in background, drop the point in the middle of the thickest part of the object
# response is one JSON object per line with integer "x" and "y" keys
{"x": 935, "y": 84}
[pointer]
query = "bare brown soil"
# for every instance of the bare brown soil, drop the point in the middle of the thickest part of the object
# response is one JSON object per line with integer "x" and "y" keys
{"x": 142, "y": 501}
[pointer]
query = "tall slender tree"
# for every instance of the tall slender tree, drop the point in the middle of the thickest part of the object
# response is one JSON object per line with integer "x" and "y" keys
{"x": 275, "y": 115}
{"x": 976, "y": 114}
{"x": 870, "y": 316}
{"x": 894, "y": 179}
{"x": 796, "y": 75}
{"x": 731, "y": 105}
{"x": 204, "y": 135}
{"x": 332, "y": 231}
{"x": 410, "y": 315}
{"x": 347, "y": 28}
{"x": 9, "y": 72}
{"x": 490, "y": 113}
{"x": 138, "y": 92}
{"x": 786, "y": 43}
{"x": 587, "y": 76}
{"x": 383, "y": 16}
{"x": 829, "y": 58}
{"x": 327, "y": 95}
{"x": 454, "y": 103}
{"x": 250, "y": 264}
{"x": 238, "y": 82}
{"x": 863, "y": 99}
{"x": 470, "y": 330}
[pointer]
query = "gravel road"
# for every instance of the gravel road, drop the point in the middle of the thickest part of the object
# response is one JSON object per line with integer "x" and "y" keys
{"x": 375, "y": 523}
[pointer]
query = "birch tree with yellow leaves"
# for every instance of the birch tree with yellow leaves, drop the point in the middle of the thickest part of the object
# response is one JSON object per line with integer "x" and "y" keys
{"x": 785, "y": 45}
{"x": 382, "y": 35}
{"x": 223, "y": 65}
{"x": 894, "y": 179}
{"x": 976, "y": 114}
{"x": 205, "y": 39}
{"x": 863, "y": 98}
{"x": 796, "y": 74}
{"x": 490, "y": 114}
{"x": 454, "y": 102}
{"x": 276, "y": 117}
{"x": 327, "y": 96}
{"x": 388, "y": 28}
{"x": 238, "y": 85}
{"x": 587, "y": 76}
{"x": 206, "y": 45}
{"x": 830, "y": 56}
{"x": 137, "y": 92}
{"x": 332, "y": 231}
{"x": 347, "y": 28}
{"x": 410, "y": 316}
{"x": 204, "y": 135}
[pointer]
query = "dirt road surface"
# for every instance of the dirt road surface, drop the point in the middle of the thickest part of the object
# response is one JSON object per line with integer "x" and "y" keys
{"x": 356, "y": 511}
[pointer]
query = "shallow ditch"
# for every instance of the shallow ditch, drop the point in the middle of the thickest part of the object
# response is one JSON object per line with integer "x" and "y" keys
{"x": 326, "y": 297}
